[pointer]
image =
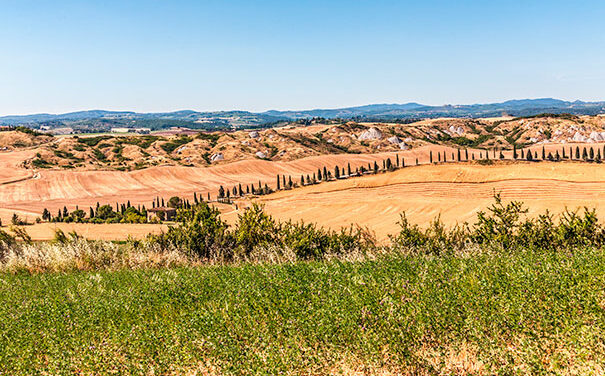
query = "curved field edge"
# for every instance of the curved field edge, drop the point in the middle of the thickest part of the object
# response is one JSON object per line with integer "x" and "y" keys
{"x": 518, "y": 313}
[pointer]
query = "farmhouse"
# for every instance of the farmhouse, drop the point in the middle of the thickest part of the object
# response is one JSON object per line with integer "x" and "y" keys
{"x": 162, "y": 213}
{"x": 120, "y": 130}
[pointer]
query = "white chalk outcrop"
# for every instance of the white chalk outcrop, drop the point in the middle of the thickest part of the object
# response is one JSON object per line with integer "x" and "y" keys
{"x": 370, "y": 134}
{"x": 217, "y": 157}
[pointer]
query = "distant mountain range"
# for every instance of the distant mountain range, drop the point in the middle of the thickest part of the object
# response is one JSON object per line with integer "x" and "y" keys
{"x": 100, "y": 120}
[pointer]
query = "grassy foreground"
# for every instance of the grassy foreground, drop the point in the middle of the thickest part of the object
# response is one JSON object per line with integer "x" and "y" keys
{"x": 521, "y": 313}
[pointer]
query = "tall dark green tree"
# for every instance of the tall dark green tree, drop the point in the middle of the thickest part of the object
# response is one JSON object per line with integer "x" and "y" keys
{"x": 336, "y": 172}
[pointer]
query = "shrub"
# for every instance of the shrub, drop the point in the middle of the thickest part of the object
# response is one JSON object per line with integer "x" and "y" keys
{"x": 200, "y": 233}
{"x": 255, "y": 228}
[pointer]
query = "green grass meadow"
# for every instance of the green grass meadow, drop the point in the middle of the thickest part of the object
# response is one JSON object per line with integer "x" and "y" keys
{"x": 520, "y": 313}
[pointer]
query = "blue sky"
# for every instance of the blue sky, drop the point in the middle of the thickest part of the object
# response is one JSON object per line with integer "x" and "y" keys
{"x": 59, "y": 56}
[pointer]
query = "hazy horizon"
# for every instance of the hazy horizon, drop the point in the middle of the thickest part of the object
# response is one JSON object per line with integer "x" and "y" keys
{"x": 142, "y": 56}
{"x": 289, "y": 109}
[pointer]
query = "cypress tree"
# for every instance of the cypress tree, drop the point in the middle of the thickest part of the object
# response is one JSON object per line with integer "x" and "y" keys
{"x": 416, "y": 161}
{"x": 577, "y": 152}
{"x": 336, "y": 172}
{"x": 466, "y": 154}
{"x": 240, "y": 190}
{"x": 319, "y": 174}
{"x": 221, "y": 192}
{"x": 290, "y": 184}
{"x": 557, "y": 156}
{"x": 563, "y": 149}
{"x": 195, "y": 198}
{"x": 325, "y": 173}
{"x": 278, "y": 182}
{"x": 349, "y": 169}
{"x": 375, "y": 167}
{"x": 283, "y": 180}
{"x": 430, "y": 156}
{"x": 529, "y": 156}
{"x": 591, "y": 153}
{"x": 397, "y": 159}
{"x": 439, "y": 156}
{"x": 402, "y": 162}
{"x": 522, "y": 153}
{"x": 514, "y": 151}
{"x": 302, "y": 180}
{"x": 584, "y": 153}
{"x": 459, "y": 156}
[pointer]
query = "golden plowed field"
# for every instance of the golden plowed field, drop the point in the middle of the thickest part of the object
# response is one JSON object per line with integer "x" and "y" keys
{"x": 454, "y": 191}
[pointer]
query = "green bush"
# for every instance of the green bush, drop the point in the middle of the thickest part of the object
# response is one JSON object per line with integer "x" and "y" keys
{"x": 200, "y": 233}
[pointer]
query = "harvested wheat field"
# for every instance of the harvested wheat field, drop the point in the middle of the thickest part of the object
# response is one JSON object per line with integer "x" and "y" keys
{"x": 53, "y": 189}
{"x": 103, "y": 231}
{"x": 455, "y": 192}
